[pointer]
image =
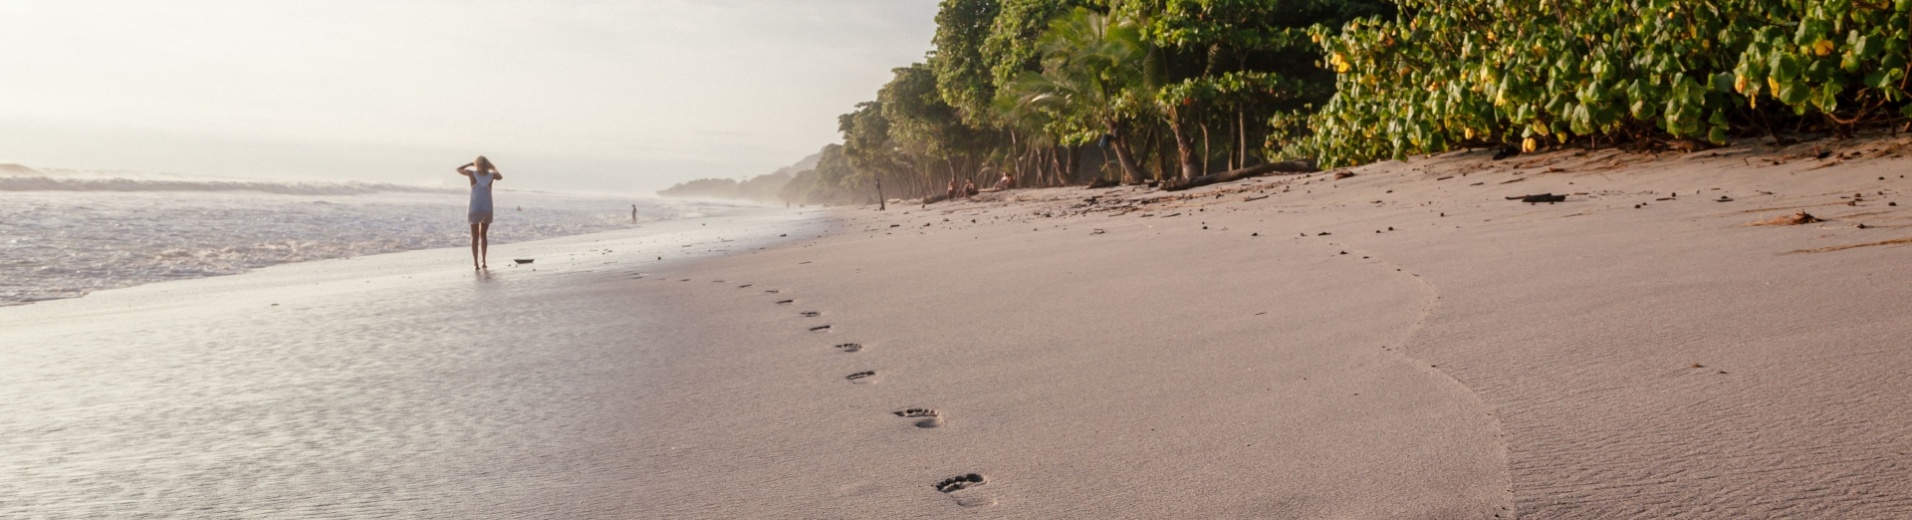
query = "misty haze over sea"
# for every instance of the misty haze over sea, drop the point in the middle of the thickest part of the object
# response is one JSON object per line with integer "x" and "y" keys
{"x": 66, "y": 233}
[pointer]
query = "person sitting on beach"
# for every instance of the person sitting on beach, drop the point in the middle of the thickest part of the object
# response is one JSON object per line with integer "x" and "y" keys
{"x": 969, "y": 188}
{"x": 951, "y": 194}
{"x": 481, "y": 174}
{"x": 1005, "y": 183}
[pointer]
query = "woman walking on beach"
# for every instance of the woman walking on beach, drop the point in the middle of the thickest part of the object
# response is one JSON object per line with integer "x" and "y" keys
{"x": 481, "y": 174}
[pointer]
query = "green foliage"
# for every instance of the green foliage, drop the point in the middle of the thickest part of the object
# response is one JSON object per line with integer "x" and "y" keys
{"x": 833, "y": 181}
{"x": 1220, "y": 63}
{"x": 1089, "y": 77}
{"x": 867, "y": 144}
{"x": 1540, "y": 72}
{"x": 962, "y": 71}
{"x": 1009, "y": 49}
{"x": 1091, "y": 82}
{"x": 1024, "y": 87}
{"x": 835, "y": 177}
{"x": 919, "y": 119}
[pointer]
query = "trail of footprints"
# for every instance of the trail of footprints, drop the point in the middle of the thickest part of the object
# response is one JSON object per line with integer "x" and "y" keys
{"x": 922, "y": 417}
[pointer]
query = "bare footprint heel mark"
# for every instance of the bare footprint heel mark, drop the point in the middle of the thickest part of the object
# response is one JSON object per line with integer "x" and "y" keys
{"x": 785, "y": 302}
{"x": 820, "y": 328}
{"x": 929, "y": 418}
{"x": 849, "y": 347}
{"x": 811, "y": 314}
{"x": 862, "y": 378}
{"x": 684, "y": 280}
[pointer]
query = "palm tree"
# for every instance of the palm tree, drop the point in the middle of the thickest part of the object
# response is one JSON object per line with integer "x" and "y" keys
{"x": 1091, "y": 83}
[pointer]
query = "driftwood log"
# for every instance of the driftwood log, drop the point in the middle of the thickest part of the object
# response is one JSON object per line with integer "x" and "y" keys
{"x": 1540, "y": 197}
{"x": 1296, "y": 166}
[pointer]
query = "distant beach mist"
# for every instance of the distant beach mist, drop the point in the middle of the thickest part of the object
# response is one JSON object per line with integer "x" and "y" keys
{"x": 64, "y": 233}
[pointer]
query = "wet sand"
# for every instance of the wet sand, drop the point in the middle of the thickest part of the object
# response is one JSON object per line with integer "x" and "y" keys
{"x": 391, "y": 386}
{"x": 1404, "y": 342}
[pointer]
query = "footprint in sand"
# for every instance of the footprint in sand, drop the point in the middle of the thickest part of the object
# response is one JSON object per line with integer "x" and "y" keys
{"x": 929, "y": 418}
{"x": 744, "y": 286}
{"x": 785, "y": 302}
{"x": 862, "y": 378}
{"x": 811, "y": 314}
{"x": 773, "y": 291}
{"x": 961, "y": 482}
{"x": 849, "y": 347}
{"x": 820, "y": 328}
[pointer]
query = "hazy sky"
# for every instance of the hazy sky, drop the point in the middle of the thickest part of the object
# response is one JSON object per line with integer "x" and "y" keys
{"x": 621, "y": 96}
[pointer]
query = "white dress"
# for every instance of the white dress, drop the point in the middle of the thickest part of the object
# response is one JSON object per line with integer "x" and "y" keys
{"x": 481, "y": 198}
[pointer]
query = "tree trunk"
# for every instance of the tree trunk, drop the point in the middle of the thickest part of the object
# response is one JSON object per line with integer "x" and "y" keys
{"x": 1184, "y": 148}
{"x": 1241, "y": 127}
{"x": 1296, "y": 166}
{"x": 1206, "y": 155}
{"x": 1056, "y": 163}
{"x": 1130, "y": 172}
{"x": 881, "y": 202}
{"x": 1072, "y": 163}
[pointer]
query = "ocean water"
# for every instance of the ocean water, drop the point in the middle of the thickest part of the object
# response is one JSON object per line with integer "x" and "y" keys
{"x": 65, "y": 234}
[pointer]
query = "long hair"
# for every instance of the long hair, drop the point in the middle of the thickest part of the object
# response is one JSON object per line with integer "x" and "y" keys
{"x": 482, "y": 164}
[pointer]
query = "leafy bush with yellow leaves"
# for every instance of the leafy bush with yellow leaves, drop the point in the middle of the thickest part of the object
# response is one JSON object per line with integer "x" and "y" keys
{"x": 1544, "y": 72}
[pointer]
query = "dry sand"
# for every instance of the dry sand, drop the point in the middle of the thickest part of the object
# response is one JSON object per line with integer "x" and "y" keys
{"x": 1404, "y": 342}
{"x": 1400, "y": 343}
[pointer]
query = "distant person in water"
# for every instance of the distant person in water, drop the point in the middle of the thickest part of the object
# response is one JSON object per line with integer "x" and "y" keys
{"x": 633, "y": 213}
{"x": 481, "y": 174}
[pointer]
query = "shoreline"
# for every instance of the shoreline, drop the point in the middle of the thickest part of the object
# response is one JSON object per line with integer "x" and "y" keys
{"x": 395, "y": 385}
{"x": 69, "y": 244}
{"x": 1402, "y": 342}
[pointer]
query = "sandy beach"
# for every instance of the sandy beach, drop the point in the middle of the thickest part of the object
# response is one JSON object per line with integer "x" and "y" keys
{"x": 1394, "y": 341}
{"x": 1402, "y": 342}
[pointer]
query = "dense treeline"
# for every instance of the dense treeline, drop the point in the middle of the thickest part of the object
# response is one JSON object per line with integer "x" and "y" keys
{"x": 1053, "y": 92}
{"x": 1537, "y": 73}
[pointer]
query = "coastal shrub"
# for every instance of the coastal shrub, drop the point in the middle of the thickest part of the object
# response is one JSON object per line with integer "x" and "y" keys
{"x": 1536, "y": 73}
